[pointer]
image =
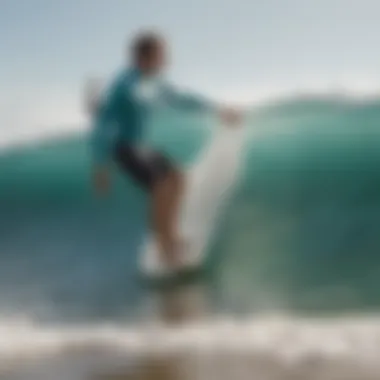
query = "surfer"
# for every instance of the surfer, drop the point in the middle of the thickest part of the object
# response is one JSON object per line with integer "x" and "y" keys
{"x": 118, "y": 135}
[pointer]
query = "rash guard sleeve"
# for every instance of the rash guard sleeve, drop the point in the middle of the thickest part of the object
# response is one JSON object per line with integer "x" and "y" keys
{"x": 185, "y": 101}
{"x": 104, "y": 125}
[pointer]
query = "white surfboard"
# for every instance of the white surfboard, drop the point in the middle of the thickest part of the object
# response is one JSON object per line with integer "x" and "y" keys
{"x": 209, "y": 183}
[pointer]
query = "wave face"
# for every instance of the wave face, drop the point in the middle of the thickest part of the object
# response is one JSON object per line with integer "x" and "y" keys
{"x": 301, "y": 233}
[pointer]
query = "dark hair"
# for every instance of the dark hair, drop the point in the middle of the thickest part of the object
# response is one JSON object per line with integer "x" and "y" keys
{"x": 145, "y": 44}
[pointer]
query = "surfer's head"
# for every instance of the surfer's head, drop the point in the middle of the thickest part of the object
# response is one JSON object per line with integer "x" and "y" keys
{"x": 149, "y": 52}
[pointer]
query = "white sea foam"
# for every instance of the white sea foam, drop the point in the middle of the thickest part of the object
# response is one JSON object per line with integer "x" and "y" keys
{"x": 327, "y": 347}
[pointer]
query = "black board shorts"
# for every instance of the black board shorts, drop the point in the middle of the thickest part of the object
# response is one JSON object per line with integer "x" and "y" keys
{"x": 144, "y": 165}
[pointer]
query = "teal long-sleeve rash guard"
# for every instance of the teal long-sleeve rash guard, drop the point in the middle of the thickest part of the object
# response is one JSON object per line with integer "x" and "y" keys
{"x": 124, "y": 110}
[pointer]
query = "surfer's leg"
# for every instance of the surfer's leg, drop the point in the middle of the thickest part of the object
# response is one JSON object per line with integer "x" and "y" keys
{"x": 160, "y": 216}
{"x": 176, "y": 188}
{"x": 156, "y": 173}
{"x": 167, "y": 193}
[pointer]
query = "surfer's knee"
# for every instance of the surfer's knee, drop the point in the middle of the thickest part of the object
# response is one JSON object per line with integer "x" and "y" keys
{"x": 173, "y": 181}
{"x": 177, "y": 178}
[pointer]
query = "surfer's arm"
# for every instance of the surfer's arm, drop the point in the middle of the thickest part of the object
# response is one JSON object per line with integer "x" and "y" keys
{"x": 100, "y": 148}
{"x": 103, "y": 126}
{"x": 186, "y": 101}
{"x": 99, "y": 141}
{"x": 102, "y": 138}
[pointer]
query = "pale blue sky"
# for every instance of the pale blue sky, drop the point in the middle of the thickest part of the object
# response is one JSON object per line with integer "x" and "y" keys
{"x": 232, "y": 49}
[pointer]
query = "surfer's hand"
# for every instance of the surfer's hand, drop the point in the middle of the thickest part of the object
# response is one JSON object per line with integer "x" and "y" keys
{"x": 230, "y": 117}
{"x": 101, "y": 181}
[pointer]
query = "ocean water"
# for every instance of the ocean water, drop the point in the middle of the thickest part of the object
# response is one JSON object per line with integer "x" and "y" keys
{"x": 295, "y": 258}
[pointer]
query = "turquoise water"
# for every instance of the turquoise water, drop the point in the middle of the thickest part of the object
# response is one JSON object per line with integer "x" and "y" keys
{"x": 301, "y": 233}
